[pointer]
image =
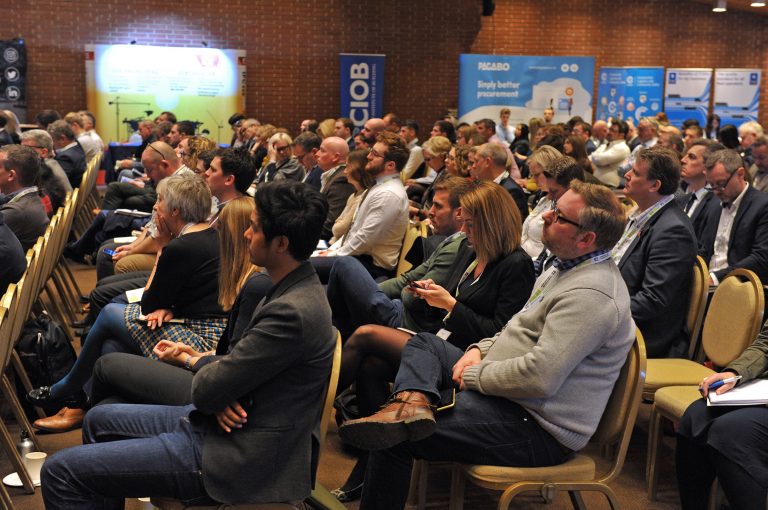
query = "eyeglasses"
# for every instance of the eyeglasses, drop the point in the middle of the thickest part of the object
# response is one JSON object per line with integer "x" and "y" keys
{"x": 281, "y": 149}
{"x": 374, "y": 153}
{"x": 162, "y": 156}
{"x": 721, "y": 187}
{"x": 558, "y": 216}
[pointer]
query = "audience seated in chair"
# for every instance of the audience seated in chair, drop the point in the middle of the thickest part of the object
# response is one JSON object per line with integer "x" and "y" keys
{"x": 183, "y": 285}
{"x": 376, "y": 234}
{"x": 656, "y": 253}
{"x": 489, "y": 279}
{"x": 540, "y": 384}
{"x": 360, "y": 180}
{"x": 122, "y": 377}
{"x": 247, "y": 436}
{"x": 726, "y": 442}
{"x": 20, "y": 201}
{"x": 736, "y": 234}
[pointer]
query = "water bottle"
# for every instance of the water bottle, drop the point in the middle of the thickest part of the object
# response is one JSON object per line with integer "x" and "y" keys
{"x": 25, "y": 444}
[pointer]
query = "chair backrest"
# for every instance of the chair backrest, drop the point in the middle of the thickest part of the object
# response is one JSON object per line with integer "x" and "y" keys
{"x": 330, "y": 394}
{"x": 697, "y": 304}
{"x": 414, "y": 231}
{"x": 734, "y": 317}
{"x": 7, "y": 304}
{"x": 618, "y": 420}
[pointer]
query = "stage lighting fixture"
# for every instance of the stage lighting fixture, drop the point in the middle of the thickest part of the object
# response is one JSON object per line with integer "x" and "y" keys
{"x": 757, "y": 4}
{"x": 720, "y": 6}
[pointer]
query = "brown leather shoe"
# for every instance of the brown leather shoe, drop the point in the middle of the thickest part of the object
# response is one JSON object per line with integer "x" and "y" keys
{"x": 407, "y": 417}
{"x": 66, "y": 419}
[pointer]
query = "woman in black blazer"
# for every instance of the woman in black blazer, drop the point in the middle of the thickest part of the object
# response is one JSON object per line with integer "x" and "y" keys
{"x": 492, "y": 281}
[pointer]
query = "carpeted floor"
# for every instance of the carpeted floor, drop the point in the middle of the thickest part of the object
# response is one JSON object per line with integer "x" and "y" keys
{"x": 335, "y": 465}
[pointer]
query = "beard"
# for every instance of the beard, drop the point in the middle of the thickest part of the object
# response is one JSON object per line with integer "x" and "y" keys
{"x": 373, "y": 170}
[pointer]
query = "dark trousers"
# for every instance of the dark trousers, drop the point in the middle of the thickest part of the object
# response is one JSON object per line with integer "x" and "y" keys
{"x": 127, "y": 378}
{"x": 112, "y": 288}
{"x": 730, "y": 443}
{"x": 479, "y": 429}
{"x": 323, "y": 267}
{"x": 356, "y": 299}
{"x": 123, "y": 195}
{"x": 128, "y": 451}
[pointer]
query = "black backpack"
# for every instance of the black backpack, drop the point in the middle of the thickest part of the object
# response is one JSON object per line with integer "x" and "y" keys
{"x": 45, "y": 351}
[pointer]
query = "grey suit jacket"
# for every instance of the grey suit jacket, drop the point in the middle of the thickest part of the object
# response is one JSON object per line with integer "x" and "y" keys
{"x": 26, "y": 218}
{"x": 278, "y": 371}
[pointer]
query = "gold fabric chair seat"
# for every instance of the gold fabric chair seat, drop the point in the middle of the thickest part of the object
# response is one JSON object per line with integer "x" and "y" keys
{"x": 674, "y": 400}
{"x": 672, "y": 372}
{"x": 580, "y": 468}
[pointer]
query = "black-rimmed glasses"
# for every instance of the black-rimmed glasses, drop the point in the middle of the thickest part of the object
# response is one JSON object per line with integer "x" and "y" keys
{"x": 558, "y": 216}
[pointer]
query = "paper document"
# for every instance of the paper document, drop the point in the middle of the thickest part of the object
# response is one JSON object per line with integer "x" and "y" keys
{"x": 748, "y": 394}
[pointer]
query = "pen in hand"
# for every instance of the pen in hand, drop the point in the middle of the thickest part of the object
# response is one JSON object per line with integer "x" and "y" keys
{"x": 715, "y": 385}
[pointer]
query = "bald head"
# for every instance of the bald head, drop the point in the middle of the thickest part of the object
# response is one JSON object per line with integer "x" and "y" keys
{"x": 372, "y": 128}
{"x": 160, "y": 161}
{"x": 333, "y": 152}
{"x": 600, "y": 130}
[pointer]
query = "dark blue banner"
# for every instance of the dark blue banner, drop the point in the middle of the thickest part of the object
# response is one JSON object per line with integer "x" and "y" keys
{"x": 362, "y": 87}
{"x": 626, "y": 92}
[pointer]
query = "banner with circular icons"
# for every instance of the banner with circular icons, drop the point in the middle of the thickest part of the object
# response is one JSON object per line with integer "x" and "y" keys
{"x": 13, "y": 72}
{"x": 629, "y": 92}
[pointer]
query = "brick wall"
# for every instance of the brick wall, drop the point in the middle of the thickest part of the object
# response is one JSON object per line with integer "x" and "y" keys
{"x": 293, "y": 45}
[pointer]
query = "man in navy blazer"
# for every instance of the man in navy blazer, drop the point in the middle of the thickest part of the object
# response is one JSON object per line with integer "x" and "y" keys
{"x": 736, "y": 235}
{"x": 248, "y": 436}
{"x": 491, "y": 165}
{"x": 657, "y": 252}
{"x": 69, "y": 153}
{"x": 697, "y": 199}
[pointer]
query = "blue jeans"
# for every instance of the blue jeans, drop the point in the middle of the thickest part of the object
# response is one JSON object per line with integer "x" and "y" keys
{"x": 356, "y": 300}
{"x": 479, "y": 429}
{"x": 128, "y": 451}
{"x": 108, "y": 334}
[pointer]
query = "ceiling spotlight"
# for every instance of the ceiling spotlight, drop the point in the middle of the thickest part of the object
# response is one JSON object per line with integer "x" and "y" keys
{"x": 757, "y": 4}
{"x": 720, "y": 6}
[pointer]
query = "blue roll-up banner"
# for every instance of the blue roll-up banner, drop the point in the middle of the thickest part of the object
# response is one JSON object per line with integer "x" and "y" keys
{"x": 687, "y": 95}
{"x": 362, "y": 87}
{"x": 525, "y": 85}
{"x": 629, "y": 92}
{"x": 737, "y": 95}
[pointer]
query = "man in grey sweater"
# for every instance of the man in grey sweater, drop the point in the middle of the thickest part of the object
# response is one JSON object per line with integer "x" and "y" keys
{"x": 533, "y": 393}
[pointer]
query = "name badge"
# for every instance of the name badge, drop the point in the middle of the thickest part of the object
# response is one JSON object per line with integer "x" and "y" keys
{"x": 444, "y": 334}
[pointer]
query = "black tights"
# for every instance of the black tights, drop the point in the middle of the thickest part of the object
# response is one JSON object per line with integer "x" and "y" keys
{"x": 370, "y": 359}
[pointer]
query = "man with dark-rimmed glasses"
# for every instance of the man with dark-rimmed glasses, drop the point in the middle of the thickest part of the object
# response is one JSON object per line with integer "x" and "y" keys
{"x": 736, "y": 234}
{"x": 534, "y": 392}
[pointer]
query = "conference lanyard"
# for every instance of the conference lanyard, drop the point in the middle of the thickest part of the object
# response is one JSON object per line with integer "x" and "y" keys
{"x": 636, "y": 227}
{"x": 23, "y": 193}
{"x": 550, "y": 276}
{"x": 464, "y": 276}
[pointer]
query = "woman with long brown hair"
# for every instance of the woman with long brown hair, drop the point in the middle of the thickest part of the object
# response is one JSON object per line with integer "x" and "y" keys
{"x": 492, "y": 280}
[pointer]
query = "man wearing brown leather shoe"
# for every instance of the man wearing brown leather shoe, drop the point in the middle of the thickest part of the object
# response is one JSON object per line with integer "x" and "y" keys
{"x": 407, "y": 416}
{"x": 67, "y": 419}
{"x": 533, "y": 393}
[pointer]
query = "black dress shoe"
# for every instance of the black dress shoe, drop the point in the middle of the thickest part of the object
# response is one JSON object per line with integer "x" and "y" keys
{"x": 73, "y": 254}
{"x": 345, "y": 496}
{"x": 42, "y": 397}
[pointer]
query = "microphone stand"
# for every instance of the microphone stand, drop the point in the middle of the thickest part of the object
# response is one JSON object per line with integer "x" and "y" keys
{"x": 117, "y": 104}
{"x": 219, "y": 125}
